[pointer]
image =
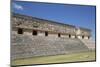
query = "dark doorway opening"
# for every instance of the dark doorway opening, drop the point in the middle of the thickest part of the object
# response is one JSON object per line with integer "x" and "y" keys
{"x": 34, "y": 32}
{"x": 20, "y": 31}
{"x": 46, "y": 33}
{"x": 59, "y": 35}
{"x": 88, "y": 37}
{"x": 82, "y": 37}
{"x": 69, "y": 36}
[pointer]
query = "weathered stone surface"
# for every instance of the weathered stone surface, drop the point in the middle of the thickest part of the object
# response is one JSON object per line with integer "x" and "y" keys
{"x": 27, "y": 45}
{"x": 24, "y": 46}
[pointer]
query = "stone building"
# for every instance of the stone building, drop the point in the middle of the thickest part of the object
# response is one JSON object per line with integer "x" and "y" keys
{"x": 33, "y": 36}
{"x": 41, "y": 27}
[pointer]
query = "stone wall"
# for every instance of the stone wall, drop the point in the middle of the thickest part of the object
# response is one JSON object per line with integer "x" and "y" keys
{"x": 25, "y": 46}
{"x": 83, "y": 33}
{"x": 50, "y": 38}
{"x": 31, "y": 23}
{"x": 42, "y": 25}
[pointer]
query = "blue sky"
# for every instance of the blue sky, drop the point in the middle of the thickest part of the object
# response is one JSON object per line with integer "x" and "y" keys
{"x": 81, "y": 16}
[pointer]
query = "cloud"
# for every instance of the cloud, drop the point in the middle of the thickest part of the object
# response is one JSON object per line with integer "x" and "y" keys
{"x": 17, "y": 6}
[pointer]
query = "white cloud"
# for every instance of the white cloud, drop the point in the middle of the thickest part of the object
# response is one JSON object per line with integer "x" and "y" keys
{"x": 17, "y": 6}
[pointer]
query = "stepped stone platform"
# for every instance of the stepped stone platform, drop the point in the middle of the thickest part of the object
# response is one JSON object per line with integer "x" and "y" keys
{"x": 89, "y": 43}
{"x": 25, "y": 46}
{"x": 33, "y": 37}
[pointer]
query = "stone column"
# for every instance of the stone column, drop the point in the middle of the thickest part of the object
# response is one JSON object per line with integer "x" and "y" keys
{"x": 80, "y": 37}
{"x": 27, "y": 33}
{"x": 52, "y": 35}
{"x": 72, "y": 36}
{"x": 66, "y": 36}
{"x": 41, "y": 33}
{"x": 85, "y": 37}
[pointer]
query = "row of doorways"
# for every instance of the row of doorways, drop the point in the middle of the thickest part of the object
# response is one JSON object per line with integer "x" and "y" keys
{"x": 20, "y": 31}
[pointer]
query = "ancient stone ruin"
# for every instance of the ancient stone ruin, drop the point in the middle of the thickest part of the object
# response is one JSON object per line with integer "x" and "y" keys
{"x": 31, "y": 36}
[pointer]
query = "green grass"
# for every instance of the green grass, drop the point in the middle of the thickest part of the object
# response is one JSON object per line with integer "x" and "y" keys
{"x": 83, "y": 56}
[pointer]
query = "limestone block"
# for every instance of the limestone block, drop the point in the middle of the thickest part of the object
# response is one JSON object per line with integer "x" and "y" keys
{"x": 72, "y": 36}
{"x": 27, "y": 33}
{"x": 80, "y": 37}
{"x": 14, "y": 32}
{"x": 52, "y": 35}
{"x": 85, "y": 37}
{"x": 41, "y": 34}
{"x": 66, "y": 36}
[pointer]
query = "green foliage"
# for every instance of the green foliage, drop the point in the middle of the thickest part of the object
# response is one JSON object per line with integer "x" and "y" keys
{"x": 74, "y": 57}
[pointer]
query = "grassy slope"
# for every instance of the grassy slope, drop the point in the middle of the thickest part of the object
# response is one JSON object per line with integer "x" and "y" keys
{"x": 84, "y": 56}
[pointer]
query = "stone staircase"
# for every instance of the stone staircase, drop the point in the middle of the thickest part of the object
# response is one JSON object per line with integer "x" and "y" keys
{"x": 89, "y": 43}
{"x": 25, "y": 46}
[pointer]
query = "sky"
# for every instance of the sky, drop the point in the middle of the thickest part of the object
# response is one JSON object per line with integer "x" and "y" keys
{"x": 78, "y": 15}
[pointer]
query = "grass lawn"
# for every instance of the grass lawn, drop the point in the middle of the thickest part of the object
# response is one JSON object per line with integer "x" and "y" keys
{"x": 83, "y": 56}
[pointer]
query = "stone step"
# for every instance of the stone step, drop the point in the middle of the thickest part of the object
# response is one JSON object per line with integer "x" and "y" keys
{"x": 24, "y": 46}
